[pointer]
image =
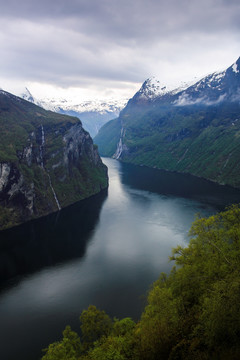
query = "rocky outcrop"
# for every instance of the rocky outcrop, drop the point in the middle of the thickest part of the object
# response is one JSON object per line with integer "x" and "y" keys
{"x": 79, "y": 144}
{"x": 13, "y": 188}
{"x": 51, "y": 164}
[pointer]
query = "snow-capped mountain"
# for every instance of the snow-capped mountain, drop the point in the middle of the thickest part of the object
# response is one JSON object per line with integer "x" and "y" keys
{"x": 93, "y": 114}
{"x": 152, "y": 88}
{"x": 193, "y": 129}
{"x": 212, "y": 89}
{"x": 26, "y": 95}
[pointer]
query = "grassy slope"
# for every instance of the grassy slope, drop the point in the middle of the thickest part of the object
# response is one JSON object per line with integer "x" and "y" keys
{"x": 203, "y": 141}
{"x": 18, "y": 118}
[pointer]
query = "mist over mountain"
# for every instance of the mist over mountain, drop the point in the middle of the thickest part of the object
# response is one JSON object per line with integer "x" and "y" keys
{"x": 192, "y": 128}
{"x": 93, "y": 114}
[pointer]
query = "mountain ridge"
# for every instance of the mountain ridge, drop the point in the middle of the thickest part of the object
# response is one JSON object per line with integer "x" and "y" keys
{"x": 93, "y": 113}
{"x": 193, "y": 130}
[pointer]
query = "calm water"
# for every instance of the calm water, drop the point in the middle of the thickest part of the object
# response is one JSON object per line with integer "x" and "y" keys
{"x": 104, "y": 251}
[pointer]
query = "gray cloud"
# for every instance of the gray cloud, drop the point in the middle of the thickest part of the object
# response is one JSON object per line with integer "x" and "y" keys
{"x": 77, "y": 42}
{"x": 130, "y": 17}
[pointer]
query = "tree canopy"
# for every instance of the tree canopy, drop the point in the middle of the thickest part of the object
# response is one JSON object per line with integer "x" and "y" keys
{"x": 193, "y": 313}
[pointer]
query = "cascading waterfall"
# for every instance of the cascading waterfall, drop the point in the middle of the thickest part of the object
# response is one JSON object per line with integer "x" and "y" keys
{"x": 119, "y": 150}
{"x": 42, "y": 165}
{"x": 41, "y": 147}
{"x": 54, "y": 194}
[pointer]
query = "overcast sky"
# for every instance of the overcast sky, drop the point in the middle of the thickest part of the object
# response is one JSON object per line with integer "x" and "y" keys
{"x": 107, "y": 48}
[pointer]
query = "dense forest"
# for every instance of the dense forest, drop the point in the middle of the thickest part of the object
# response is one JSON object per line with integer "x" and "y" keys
{"x": 192, "y": 313}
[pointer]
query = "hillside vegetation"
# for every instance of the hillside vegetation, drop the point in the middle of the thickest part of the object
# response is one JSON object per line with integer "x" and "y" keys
{"x": 195, "y": 130}
{"x": 108, "y": 137}
{"x": 200, "y": 140}
{"x": 192, "y": 313}
{"x": 47, "y": 161}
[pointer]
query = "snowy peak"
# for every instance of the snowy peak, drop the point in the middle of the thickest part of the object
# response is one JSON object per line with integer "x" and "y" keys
{"x": 236, "y": 66}
{"x": 220, "y": 79}
{"x": 214, "y": 88}
{"x": 102, "y": 107}
{"x": 210, "y": 90}
{"x": 75, "y": 104}
{"x": 26, "y": 95}
{"x": 153, "y": 88}
{"x": 211, "y": 81}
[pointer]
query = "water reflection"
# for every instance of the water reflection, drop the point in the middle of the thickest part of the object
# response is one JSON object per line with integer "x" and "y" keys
{"x": 106, "y": 251}
{"x": 179, "y": 185}
{"x": 49, "y": 240}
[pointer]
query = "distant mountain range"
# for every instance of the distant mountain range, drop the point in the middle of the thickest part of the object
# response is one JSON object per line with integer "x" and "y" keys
{"x": 194, "y": 128}
{"x": 93, "y": 114}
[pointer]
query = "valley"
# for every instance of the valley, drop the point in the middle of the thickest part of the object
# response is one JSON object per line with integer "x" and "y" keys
{"x": 120, "y": 180}
{"x": 105, "y": 251}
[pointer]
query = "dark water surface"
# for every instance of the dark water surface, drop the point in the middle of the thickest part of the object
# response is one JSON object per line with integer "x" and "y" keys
{"x": 105, "y": 251}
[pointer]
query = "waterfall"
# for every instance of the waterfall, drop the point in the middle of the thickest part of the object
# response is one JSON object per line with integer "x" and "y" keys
{"x": 43, "y": 136}
{"x": 119, "y": 150}
{"x": 53, "y": 191}
{"x": 41, "y": 147}
{"x": 42, "y": 165}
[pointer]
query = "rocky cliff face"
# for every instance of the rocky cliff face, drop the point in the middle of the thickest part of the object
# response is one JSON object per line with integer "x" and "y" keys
{"x": 47, "y": 161}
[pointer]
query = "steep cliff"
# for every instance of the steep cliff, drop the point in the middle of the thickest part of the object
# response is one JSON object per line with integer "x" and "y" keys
{"x": 47, "y": 161}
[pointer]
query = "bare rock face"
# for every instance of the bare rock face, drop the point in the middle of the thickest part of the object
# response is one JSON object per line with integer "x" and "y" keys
{"x": 51, "y": 164}
{"x": 79, "y": 144}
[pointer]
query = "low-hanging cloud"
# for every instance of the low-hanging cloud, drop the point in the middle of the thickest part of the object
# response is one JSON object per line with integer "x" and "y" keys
{"x": 186, "y": 100}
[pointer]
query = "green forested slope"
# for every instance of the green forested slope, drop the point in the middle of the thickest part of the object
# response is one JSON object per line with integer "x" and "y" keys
{"x": 108, "y": 137}
{"x": 47, "y": 161}
{"x": 191, "y": 314}
{"x": 200, "y": 140}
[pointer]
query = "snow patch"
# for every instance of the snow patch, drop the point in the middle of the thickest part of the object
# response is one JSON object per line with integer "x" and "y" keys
{"x": 100, "y": 106}
{"x": 153, "y": 88}
{"x": 235, "y": 68}
{"x": 27, "y": 95}
{"x": 219, "y": 75}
